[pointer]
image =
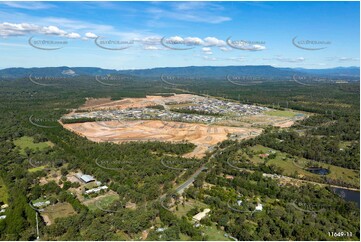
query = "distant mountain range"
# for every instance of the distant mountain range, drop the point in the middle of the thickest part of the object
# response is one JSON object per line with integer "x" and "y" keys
{"x": 214, "y": 72}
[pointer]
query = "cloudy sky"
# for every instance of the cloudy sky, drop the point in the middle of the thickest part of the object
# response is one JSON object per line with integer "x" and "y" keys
{"x": 127, "y": 35}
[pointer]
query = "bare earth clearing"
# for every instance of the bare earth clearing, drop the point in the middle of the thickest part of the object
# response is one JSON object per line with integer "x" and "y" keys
{"x": 139, "y": 102}
{"x": 202, "y": 135}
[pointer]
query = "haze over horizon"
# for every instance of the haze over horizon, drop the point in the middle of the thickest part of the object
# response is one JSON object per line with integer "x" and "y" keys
{"x": 179, "y": 34}
{"x": 156, "y": 67}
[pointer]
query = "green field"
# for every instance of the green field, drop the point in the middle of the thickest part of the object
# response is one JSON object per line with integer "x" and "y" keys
{"x": 35, "y": 169}
{"x": 188, "y": 205}
{"x": 40, "y": 199}
{"x": 345, "y": 144}
{"x": 123, "y": 236}
{"x": 290, "y": 167}
{"x": 59, "y": 210}
{"x": 104, "y": 201}
{"x": 280, "y": 113}
{"x": 3, "y": 192}
{"x": 214, "y": 234}
{"x": 184, "y": 237}
{"x": 28, "y": 142}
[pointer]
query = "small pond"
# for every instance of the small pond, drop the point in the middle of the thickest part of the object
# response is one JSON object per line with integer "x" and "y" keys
{"x": 318, "y": 170}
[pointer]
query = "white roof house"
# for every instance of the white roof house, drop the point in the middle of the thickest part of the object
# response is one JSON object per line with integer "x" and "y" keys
{"x": 201, "y": 215}
{"x": 259, "y": 207}
{"x": 161, "y": 229}
{"x": 85, "y": 178}
{"x": 97, "y": 189}
{"x": 4, "y": 206}
{"x": 3, "y": 217}
{"x": 40, "y": 204}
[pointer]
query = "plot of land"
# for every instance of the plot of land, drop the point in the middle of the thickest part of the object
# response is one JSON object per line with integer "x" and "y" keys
{"x": 95, "y": 101}
{"x": 214, "y": 234}
{"x": 102, "y": 201}
{"x": 188, "y": 205}
{"x": 202, "y": 135}
{"x": 59, "y": 210}
{"x": 28, "y": 142}
{"x": 269, "y": 118}
{"x": 138, "y": 102}
{"x": 290, "y": 167}
{"x": 280, "y": 113}
{"x": 54, "y": 175}
{"x": 35, "y": 169}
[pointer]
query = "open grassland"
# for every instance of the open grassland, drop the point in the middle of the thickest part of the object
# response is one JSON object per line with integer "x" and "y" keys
{"x": 345, "y": 144}
{"x": 188, "y": 205}
{"x": 59, "y": 210}
{"x": 102, "y": 201}
{"x": 281, "y": 113}
{"x": 28, "y": 142}
{"x": 214, "y": 234}
{"x": 35, "y": 169}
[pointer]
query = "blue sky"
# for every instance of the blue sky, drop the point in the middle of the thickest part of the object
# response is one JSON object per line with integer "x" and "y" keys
{"x": 160, "y": 34}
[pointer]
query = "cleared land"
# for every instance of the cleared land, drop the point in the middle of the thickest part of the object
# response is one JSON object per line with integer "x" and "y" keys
{"x": 101, "y": 201}
{"x": 59, "y": 210}
{"x": 138, "y": 102}
{"x": 290, "y": 167}
{"x": 95, "y": 101}
{"x": 183, "y": 209}
{"x": 202, "y": 135}
{"x": 28, "y": 142}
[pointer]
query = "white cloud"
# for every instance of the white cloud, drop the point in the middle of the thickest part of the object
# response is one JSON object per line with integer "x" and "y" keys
{"x": 90, "y": 35}
{"x": 12, "y": 29}
{"x": 200, "y": 12}
{"x": 241, "y": 58}
{"x": 189, "y": 5}
{"x": 73, "y": 36}
{"x": 193, "y": 41}
{"x": 208, "y": 41}
{"x": 52, "y": 30}
{"x": 28, "y": 5}
{"x": 212, "y": 41}
{"x": 291, "y": 60}
{"x": 225, "y": 49}
{"x": 348, "y": 59}
{"x": 209, "y": 58}
{"x": 175, "y": 40}
{"x": 151, "y": 40}
{"x": 246, "y": 45}
{"x": 257, "y": 47}
{"x": 207, "y": 50}
{"x": 151, "y": 47}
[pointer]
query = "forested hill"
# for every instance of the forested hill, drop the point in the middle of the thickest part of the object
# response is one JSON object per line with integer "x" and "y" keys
{"x": 215, "y": 72}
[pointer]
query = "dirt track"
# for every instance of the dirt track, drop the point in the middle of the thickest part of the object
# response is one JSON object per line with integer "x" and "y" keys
{"x": 203, "y": 136}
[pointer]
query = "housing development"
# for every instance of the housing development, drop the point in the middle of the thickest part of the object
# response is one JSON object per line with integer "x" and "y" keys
{"x": 172, "y": 111}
